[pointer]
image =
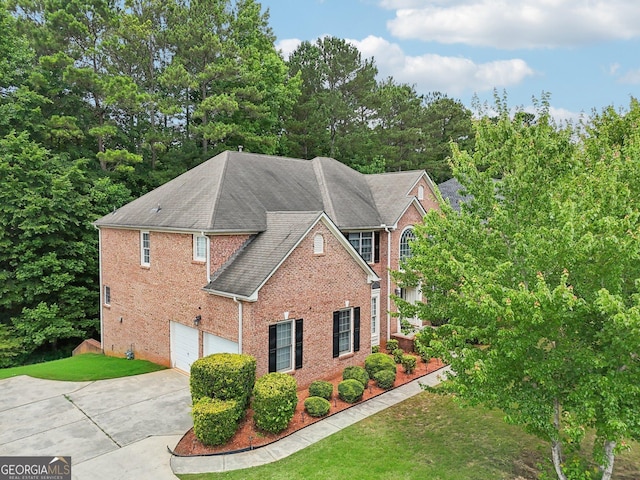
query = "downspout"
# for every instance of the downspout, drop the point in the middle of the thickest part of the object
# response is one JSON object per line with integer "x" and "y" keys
{"x": 388, "y": 230}
{"x": 101, "y": 288}
{"x": 208, "y": 257}
{"x": 235, "y": 299}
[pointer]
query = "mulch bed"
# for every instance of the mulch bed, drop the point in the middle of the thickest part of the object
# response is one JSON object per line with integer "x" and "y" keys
{"x": 248, "y": 436}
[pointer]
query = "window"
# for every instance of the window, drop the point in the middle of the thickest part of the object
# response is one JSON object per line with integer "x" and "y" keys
{"x": 145, "y": 249}
{"x": 363, "y": 242}
{"x": 107, "y": 295}
{"x": 200, "y": 248}
{"x": 318, "y": 244}
{"x": 405, "y": 239}
{"x": 346, "y": 331}
{"x": 285, "y": 346}
{"x": 375, "y": 317}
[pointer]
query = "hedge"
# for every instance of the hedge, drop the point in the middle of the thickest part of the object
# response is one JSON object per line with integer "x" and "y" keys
{"x": 357, "y": 373}
{"x": 350, "y": 390}
{"x": 215, "y": 421}
{"x": 224, "y": 376}
{"x": 378, "y": 361}
{"x": 274, "y": 401}
{"x": 321, "y": 388}
{"x": 317, "y": 406}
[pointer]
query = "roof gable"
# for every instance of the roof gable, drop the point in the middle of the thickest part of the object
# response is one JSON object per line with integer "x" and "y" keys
{"x": 247, "y": 271}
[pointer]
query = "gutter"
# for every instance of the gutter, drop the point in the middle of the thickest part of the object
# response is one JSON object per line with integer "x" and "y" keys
{"x": 235, "y": 299}
{"x": 388, "y": 230}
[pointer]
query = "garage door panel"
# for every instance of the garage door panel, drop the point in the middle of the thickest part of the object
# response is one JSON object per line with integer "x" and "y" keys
{"x": 213, "y": 344}
{"x": 185, "y": 346}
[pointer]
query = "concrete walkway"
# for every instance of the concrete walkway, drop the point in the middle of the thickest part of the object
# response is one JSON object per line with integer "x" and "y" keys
{"x": 306, "y": 436}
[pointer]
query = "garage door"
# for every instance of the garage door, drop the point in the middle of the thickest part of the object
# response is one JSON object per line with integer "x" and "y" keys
{"x": 214, "y": 344}
{"x": 184, "y": 346}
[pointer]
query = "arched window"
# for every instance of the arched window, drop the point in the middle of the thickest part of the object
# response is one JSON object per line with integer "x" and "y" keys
{"x": 406, "y": 237}
{"x": 318, "y": 244}
{"x": 420, "y": 192}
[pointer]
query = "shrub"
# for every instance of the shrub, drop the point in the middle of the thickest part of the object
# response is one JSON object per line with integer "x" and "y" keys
{"x": 317, "y": 406}
{"x": 350, "y": 390}
{"x": 398, "y": 353}
{"x": 225, "y": 376}
{"x": 378, "y": 361}
{"x": 375, "y": 349}
{"x": 385, "y": 378}
{"x": 320, "y": 388}
{"x": 357, "y": 373}
{"x": 409, "y": 363}
{"x": 422, "y": 343}
{"x": 215, "y": 421}
{"x": 274, "y": 401}
{"x": 392, "y": 344}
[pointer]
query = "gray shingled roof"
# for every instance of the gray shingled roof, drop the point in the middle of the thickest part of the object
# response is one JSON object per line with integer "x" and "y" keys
{"x": 450, "y": 190}
{"x": 390, "y": 192}
{"x": 233, "y": 191}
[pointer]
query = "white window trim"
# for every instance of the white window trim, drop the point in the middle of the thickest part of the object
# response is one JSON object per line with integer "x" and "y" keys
{"x": 107, "y": 295}
{"x": 196, "y": 257}
{"x": 375, "y": 332}
{"x": 420, "y": 192}
{"x": 359, "y": 249}
{"x": 144, "y": 262}
{"x": 351, "y": 333}
{"x": 404, "y": 231}
{"x": 292, "y": 352}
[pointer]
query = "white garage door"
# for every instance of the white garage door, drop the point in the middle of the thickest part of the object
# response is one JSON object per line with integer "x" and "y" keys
{"x": 184, "y": 346}
{"x": 214, "y": 344}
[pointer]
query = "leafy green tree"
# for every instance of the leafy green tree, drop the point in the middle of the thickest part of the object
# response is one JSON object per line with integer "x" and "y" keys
{"x": 538, "y": 279}
{"x": 48, "y": 247}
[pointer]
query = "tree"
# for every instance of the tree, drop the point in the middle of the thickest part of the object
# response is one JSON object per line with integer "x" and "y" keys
{"x": 537, "y": 277}
{"x": 48, "y": 247}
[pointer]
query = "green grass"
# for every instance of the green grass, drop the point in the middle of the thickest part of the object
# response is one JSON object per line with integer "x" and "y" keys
{"x": 425, "y": 437}
{"x": 86, "y": 367}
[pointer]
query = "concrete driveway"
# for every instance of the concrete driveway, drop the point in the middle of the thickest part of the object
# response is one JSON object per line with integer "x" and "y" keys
{"x": 112, "y": 429}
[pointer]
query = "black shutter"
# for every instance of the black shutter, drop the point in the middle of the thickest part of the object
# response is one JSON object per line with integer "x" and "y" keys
{"x": 298, "y": 343}
{"x": 356, "y": 329}
{"x": 336, "y": 334}
{"x": 272, "y": 348}
{"x": 376, "y": 247}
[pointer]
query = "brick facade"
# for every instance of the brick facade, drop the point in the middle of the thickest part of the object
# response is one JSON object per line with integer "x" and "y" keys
{"x": 145, "y": 299}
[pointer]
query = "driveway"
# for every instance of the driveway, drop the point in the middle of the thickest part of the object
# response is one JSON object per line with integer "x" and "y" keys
{"x": 112, "y": 429}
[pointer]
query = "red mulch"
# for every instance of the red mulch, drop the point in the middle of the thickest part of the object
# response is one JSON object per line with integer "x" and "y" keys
{"x": 248, "y": 436}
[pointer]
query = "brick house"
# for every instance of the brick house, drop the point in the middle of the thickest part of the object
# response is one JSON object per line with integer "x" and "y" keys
{"x": 283, "y": 259}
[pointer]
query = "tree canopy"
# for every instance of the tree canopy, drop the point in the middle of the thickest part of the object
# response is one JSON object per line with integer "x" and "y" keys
{"x": 537, "y": 277}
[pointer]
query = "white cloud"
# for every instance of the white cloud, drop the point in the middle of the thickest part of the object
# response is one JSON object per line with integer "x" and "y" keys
{"x": 451, "y": 75}
{"x": 632, "y": 77}
{"x": 515, "y": 24}
{"x": 288, "y": 46}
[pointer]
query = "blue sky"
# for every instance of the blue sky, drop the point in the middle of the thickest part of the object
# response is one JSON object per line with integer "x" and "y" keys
{"x": 584, "y": 53}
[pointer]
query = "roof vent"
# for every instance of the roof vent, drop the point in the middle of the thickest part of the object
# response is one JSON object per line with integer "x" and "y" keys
{"x": 156, "y": 209}
{"x": 240, "y": 147}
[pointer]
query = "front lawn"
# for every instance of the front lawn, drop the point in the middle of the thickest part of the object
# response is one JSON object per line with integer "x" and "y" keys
{"x": 86, "y": 367}
{"x": 427, "y": 436}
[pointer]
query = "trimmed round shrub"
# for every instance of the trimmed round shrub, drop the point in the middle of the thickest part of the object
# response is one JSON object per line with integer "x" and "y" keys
{"x": 225, "y": 376}
{"x": 321, "y": 388}
{"x": 375, "y": 349}
{"x": 350, "y": 390}
{"x": 398, "y": 353}
{"x": 392, "y": 344}
{"x": 215, "y": 421}
{"x": 378, "y": 361}
{"x": 385, "y": 378}
{"x": 317, "y": 406}
{"x": 357, "y": 373}
{"x": 274, "y": 401}
{"x": 409, "y": 363}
